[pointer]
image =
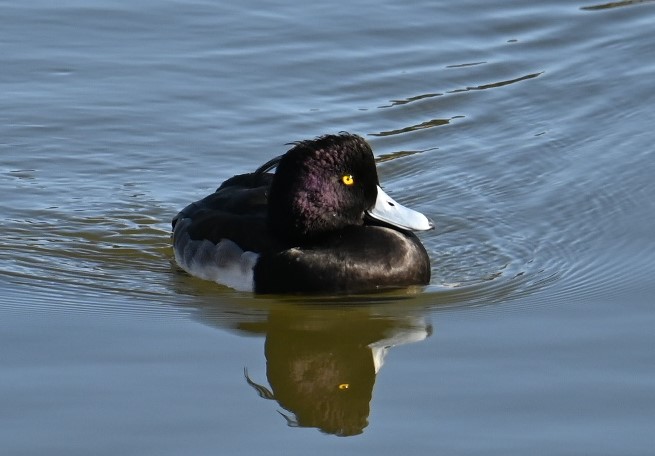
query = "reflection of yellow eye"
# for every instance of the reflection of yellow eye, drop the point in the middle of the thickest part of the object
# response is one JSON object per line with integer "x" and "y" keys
{"x": 344, "y": 386}
{"x": 348, "y": 179}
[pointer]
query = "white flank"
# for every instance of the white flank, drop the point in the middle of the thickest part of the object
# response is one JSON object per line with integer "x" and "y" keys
{"x": 224, "y": 263}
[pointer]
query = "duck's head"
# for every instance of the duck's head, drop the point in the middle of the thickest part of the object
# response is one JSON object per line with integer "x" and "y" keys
{"x": 329, "y": 183}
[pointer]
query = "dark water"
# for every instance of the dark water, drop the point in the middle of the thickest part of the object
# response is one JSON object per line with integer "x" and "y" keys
{"x": 524, "y": 130}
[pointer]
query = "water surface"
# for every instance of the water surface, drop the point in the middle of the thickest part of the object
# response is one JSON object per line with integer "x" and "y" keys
{"x": 523, "y": 130}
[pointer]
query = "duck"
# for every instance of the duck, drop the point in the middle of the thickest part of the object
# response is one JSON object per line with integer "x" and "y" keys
{"x": 313, "y": 220}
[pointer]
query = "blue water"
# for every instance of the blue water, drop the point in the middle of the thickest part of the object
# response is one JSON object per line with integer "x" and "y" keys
{"x": 523, "y": 130}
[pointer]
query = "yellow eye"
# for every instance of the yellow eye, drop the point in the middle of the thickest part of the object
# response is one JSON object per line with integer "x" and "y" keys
{"x": 348, "y": 179}
{"x": 344, "y": 386}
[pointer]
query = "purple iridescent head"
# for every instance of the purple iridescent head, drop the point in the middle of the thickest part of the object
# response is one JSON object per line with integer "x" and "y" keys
{"x": 322, "y": 185}
{"x": 329, "y": 183}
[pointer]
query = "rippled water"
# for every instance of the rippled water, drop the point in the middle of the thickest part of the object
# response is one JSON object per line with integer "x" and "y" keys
{"x": 522, "y": 129}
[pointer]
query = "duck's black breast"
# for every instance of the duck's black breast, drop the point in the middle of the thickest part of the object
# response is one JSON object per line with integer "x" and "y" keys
{"x": 356, "y": 259}
{"x": 236, "y": 211}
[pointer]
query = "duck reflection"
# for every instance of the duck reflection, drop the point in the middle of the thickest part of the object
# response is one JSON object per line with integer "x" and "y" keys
{"x": 321, "y": 364}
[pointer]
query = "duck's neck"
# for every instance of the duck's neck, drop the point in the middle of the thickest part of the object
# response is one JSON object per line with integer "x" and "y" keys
{"x": 296, "y": 231}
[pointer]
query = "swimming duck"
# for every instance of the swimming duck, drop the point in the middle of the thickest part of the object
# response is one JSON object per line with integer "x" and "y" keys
{"x": 319, "y": 223}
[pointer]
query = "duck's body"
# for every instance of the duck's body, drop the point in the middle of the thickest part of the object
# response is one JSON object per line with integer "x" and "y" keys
{"x": 306, "y": 228}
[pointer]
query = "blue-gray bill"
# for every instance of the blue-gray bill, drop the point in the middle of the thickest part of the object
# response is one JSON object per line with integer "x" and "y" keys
{"x": 387, "y": 210}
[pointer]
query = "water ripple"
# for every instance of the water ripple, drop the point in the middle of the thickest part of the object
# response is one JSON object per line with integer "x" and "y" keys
{"x": 97, "y": 256}
{"x": 610, "y": 5}
{"x": 493, "y": 85}
{"x": 420, "y": 126}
